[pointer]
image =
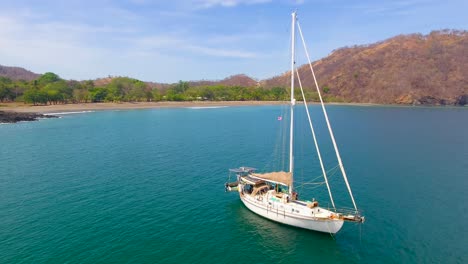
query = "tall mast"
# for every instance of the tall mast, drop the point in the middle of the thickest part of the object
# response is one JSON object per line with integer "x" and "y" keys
{"x": 338, "y": 156}
{"x": 293, "y": 101}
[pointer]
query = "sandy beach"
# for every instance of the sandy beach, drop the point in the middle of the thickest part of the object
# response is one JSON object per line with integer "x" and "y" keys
{"x": 24, "y": 108}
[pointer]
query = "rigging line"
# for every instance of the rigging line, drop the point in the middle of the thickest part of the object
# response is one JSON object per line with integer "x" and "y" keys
{"x": 313, "y": 188}
{"x": 326, "y": 119}
{"x": 281, "y": 139}
{"x": 284, "y": 134}
{"x": 276, "y": 162}
{"x": 318, "y": 184}
{"x": 313, "y": 183}
{"x": 332, "y": 172}
{"x": 315, "y": 140}
{"x": 229, "y": 177}
{"x": 272, "y": 163}
{"x": 320, "y": 176}
{"x": 280, "y": 149}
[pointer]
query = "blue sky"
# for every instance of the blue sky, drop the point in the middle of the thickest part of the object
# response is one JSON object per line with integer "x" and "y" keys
{"x": 167, "y": 41}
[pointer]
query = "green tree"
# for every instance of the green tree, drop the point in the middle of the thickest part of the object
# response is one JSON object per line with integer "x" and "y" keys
{"x": 172, "y": 95}
{"x": 88, "y": 84}
{"x": 5, "y": 90}
{"x": 156, "y": 95}
{"x": 120, "y": 89}
{"x": 35, "y": 97}
{"x": 278, "y": 93}
{"x": 18, "y": 88}
{"x": 207, "y": 93}
{"x": 78, "y": 92}
{"x": 97, "y": 94}
{"x": 181, "y": 87}
{"x": 138, "y": 92}
{"x": 81, "y": 95}
{"x": 48, "y": 77}
{"x": 5, "y": 93}
{"x": 58, "y": 92}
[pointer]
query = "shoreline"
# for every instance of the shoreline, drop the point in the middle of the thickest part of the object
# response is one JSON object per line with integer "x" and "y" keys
{"x": 47, "y": 109}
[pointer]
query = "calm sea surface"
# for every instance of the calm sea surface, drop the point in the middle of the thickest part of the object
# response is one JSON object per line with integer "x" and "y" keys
{"x": 146, "y": 186}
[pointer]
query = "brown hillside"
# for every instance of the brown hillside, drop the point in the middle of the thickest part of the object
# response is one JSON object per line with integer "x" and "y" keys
{"x": 17, "y": 73}
{"x": 234, "y": 80}
{"x": 106, "y": 80}
{"x": 103, "y": 81}
{"x": 406, "y": 69}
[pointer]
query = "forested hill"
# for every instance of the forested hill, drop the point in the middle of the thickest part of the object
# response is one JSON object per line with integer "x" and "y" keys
{"x": 406, "y": 69}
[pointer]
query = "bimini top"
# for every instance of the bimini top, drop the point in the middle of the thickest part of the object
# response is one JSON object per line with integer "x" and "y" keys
{"x": 277, "y": 177}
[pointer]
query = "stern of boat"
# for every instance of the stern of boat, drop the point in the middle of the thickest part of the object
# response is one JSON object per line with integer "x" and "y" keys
{"x": 231, "y": 186}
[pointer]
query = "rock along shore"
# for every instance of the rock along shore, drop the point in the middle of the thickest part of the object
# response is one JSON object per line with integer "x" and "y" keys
{"x": 13, "y": 117}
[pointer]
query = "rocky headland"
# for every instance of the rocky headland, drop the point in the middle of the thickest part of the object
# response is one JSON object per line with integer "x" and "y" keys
{"x": 14, "y": 117}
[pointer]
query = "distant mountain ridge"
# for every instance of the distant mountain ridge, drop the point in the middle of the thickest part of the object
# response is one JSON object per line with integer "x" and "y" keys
{"x": 17, "y": 73}
{"x": 234, "y": 80}
{"x": 406, "y": 69}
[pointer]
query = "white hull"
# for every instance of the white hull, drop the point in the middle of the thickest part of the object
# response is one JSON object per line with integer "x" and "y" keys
{"x": 293, "y": 214}
{"x": 262, "y": 192}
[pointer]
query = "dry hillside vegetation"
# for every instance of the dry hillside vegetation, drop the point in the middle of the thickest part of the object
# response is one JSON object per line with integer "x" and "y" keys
{"x": 17, "y": 73}
{"x": 406, "y": 69}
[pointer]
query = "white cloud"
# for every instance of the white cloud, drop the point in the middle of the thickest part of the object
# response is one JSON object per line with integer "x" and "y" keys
{"x": 217, "y": 52}
{"x": 83, "y": 51}
{"x": 228, "y": 3}
{"x": 52, "y": 46}
{"x": 182, "y": 45}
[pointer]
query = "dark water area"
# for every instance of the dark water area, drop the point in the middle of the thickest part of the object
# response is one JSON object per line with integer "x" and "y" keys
{"x": 146, "y": 186}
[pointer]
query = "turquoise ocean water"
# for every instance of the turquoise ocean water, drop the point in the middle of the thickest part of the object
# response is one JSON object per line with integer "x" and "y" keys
{"x": 146, "y": 186}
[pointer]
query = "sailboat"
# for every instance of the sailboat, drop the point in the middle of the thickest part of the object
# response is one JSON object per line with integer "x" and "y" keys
{"x": 272, "y": 194}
